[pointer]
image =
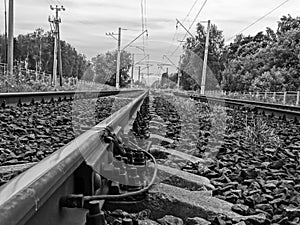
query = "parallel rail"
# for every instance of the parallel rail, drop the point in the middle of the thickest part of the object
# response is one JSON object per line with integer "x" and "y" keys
{"x": 278, "y": 110}
{"x": 33, "y": 197}
{"x": 27, "y": 97}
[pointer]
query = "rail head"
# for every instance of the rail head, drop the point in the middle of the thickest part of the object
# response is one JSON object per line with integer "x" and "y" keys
{"x": 26, "y": 194}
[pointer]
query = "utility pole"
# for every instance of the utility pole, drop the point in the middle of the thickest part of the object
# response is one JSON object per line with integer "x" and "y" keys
{"x": 40, "y": 54}
{"x": 203, "y": 81}
{"x": 132, "y": 69}
{"x": 148, "y": 72}
{"x": 139, "y": 74}
{"x": 5, "y": 32}
{"x": 57, "y": 51}
{"x": 205, "y": 53}
{"x": 10, "y": 52}
{"x": 119, "y": 52}
{"x": 118, "y": 60}
{"x": 179, "y": 73}
{"x": 178, "y": 22}
{"x": 59, "y": 58}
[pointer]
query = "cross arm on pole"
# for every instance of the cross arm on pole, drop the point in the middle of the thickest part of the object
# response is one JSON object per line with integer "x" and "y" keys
{"x": 146, "y": 67}
{"x": 111, "y": 35}
{"x": 142, "y": 59}
{"x": 134, "y": 39}
{"x": 171, "y": 61}
{"x": 138, "y": 47}
{"x": 178, "y": 22}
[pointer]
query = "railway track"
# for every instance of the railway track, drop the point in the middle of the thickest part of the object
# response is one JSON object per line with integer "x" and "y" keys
{"x": 271, "y": 109}
{"x": 34, "y": 127}
{"x": 34, "y": 197}
{"x": 186, "y": 137}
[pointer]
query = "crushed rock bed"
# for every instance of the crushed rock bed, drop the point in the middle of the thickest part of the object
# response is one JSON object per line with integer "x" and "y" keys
{"x": 29, "y": 133}
{"x": 254, "y": 160}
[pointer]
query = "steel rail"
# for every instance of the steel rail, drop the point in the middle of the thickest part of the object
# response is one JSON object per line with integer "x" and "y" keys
{"x": 34, "y": 196}
{"x": 278, "y": 110}
{"x": 27, "y": 97}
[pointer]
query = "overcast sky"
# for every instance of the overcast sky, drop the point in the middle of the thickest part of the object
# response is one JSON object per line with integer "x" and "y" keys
{"x": 85, "y": 22}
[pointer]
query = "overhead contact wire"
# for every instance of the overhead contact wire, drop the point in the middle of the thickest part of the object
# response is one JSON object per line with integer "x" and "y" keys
{"x": 188, "y": 14}
{"x": 143, "y": 26}
{"x": 196, "y": 17}
{"x": 259, "y": 19}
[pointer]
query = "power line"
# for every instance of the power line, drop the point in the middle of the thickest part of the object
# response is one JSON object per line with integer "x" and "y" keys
{"x": 188, "y": 14}
{"x": 146, "y": 22}
{"x": 59, "y": 2}
{"x": 143, "y": 25}
{"x": 51, "y": 2}
{"x": 259, "y": 19}
{"x": 55, "y": 21}
{"x": 190, "y": 10}
{"x": 196, "y": 17}
{"x": 145, "y": 15}
{"x": 143, "y": 4}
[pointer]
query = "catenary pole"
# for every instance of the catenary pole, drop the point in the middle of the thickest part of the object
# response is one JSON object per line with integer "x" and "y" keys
{"x": 57, "y": 48}
{"x": 59, "y": 56}
{"x": 179, "y": 73}
{"x": 139, "y": 74}
{"x": 118, "y": 60}
{"x": 119, "y": 51}
{"x": 203, "y": 80}
{"x": 132, "y": 70}
{"x": 5, "y": 32}
{"x": 10, "y": 52}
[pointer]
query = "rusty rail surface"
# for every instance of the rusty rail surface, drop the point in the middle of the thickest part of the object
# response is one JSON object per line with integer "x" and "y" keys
{"x": 33, "y": 197}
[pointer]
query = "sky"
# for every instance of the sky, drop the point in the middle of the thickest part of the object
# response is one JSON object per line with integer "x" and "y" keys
{"x": 85, "y": 23}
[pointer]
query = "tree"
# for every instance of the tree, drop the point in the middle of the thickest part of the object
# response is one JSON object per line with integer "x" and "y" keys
{"x": 37, "y": 49}
{"x": 192, "y": 62}
{"x": 164, "y": 82}
{"x": 89, "y": 73}
{"x": 265, "y": 62}
{"x": 106, "y": 65}
{"x": 287, "y": 23}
